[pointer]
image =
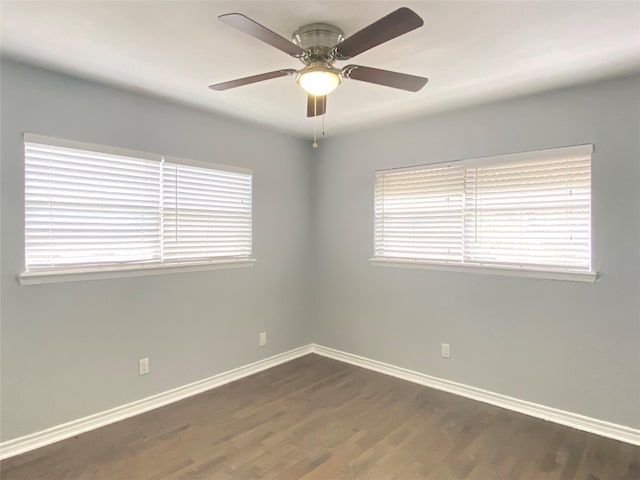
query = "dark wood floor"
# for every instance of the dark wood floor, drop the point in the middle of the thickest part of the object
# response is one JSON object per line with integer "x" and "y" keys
{"x": 315, "y": 418}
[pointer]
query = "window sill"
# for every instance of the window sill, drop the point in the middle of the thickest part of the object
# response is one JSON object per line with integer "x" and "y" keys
{"x": 588, "y": 277}
{"x": 37, "y": 278}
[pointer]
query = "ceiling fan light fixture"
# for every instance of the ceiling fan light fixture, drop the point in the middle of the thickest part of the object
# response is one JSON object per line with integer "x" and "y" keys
{"x": 319, "y": 81}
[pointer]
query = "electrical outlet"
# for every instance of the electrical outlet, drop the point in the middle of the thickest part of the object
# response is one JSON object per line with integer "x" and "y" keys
{"x": 262, "y": 339}
{"x": 446, "y": 352}
{"x": 143, "y": 366}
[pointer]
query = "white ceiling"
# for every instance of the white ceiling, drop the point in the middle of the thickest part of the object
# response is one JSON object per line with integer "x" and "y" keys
{"x": 471, "y": 52}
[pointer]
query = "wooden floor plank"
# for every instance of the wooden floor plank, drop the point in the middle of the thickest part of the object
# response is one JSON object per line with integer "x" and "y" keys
{"x": 318, "y": 419}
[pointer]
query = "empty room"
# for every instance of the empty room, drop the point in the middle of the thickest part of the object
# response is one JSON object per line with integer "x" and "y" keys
{"x": 320, "y": 240}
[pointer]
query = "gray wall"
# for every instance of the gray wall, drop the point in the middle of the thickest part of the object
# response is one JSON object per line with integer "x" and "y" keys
{"x": 568, "y": 345}
{"x": 72, "y": 349}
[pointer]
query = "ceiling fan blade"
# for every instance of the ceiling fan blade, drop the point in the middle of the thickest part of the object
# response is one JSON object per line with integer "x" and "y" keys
{"x": 316, "y": 106}
{"x": 393, "y": 25}
{"x": 403, "y": 81}
{"x": 253, "y": 28}
{"x": 252, "y": 79}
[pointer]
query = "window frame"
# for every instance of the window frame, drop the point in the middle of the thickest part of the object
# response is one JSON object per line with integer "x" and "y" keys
{"x": 106, "y": 271}
{"x": 503, "y": 270}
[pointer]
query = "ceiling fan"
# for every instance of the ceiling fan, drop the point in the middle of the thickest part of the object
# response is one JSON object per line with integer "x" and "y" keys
{"x": 320, "y": 45}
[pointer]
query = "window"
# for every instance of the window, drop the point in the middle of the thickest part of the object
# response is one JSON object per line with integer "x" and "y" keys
{"x": 419, "y": 214}
{"x": 526, "y": 211}
{"x": 92, "y": 207}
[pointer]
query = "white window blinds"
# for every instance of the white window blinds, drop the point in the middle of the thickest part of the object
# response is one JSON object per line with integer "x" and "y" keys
{"x": 88, "y": 208}
{"x": 528, "y": 211}
{"x": 535, "y": 213}
{"x": 206, "y": 213}
{"x": 418, "y": 213}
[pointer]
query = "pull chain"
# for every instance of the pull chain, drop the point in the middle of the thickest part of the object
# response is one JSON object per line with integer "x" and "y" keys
{"x": 315, "y": 122}
{"x": 323, "y": 121}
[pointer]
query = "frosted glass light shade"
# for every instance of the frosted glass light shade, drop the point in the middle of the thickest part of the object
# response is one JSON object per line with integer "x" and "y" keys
{"x": 319, "y": 82}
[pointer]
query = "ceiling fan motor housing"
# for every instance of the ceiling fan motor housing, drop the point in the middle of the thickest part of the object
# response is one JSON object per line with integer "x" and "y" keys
{"x": 318, "y": 40}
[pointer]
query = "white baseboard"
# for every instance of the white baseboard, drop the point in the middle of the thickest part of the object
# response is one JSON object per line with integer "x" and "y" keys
{"x": 574, "y": 420}
{"x": 35, "y": 440}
